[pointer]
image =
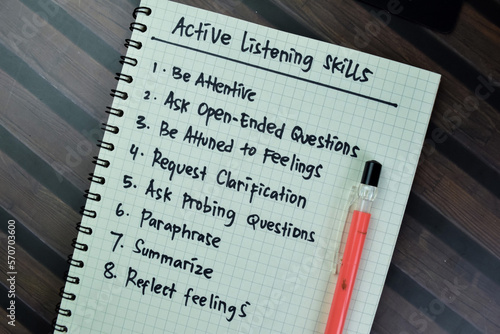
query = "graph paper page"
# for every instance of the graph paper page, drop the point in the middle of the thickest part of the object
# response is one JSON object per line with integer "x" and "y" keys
{"x": 229, "y": 177}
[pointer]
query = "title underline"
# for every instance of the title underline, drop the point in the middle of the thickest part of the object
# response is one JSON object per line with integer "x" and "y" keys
{"x": 278, "y": 72}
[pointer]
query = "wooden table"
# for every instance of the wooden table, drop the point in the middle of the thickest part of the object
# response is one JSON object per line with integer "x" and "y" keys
{"x": 57, "y": 66}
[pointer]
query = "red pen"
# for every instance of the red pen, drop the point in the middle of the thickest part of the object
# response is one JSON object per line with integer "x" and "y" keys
{"x": 367, "y": 191}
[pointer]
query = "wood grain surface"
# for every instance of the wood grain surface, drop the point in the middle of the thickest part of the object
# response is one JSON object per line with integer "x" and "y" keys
{"x": 58, "y": 62}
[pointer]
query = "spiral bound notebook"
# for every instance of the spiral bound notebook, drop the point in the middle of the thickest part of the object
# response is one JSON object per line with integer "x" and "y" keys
{"x": 223, "y": 179}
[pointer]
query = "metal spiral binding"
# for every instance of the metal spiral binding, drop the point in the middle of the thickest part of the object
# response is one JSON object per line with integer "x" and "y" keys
{"x": 124, "y": 60}
{"x": 65, "y": 295}
{"x": 105, "y": 145}
{"x": 119, "y": 94}
{"x": 96, "y": 179}
{"x": 144, "y": 10}
{"x": 128, "y": 60}
{"x": 101, "y": 162}
{"x": 83, "y": 229}
{"x": 88, "y": 213}
{"x": 133, "y": 44}
{"x": 92, "y": 196}
{"x": 75, "y": 263}
{"x": 114, "y": 111}
{"x": 124, "y": 77}
{"x": 71, "y": 279}
{"x": 138, "y": 26}
{"x": 79, "y": 245}
{"x": 110, "y": 128}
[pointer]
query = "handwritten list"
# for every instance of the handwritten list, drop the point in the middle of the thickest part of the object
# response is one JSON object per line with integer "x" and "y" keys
{"x": 229, "y": 176}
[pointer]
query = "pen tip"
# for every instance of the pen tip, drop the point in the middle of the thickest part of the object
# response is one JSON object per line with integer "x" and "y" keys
{"x": 371, "y": 173}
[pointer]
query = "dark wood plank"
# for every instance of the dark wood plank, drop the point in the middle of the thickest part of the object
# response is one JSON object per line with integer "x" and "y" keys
{"x": 106, "y": 19}
{"x": 455, "y": 282}
{"x": 40, "y": 289}
{"x": 461, "y": 199}
{"x": 29, "y": 121}
{"x": 44, "y": 214}
{"x": 56, "y": 59}
{"x": 473, "y": 38}
{"x": 470, "y": 120}
{"x": 396, "y": 315}
{"x": 6, "y": 328}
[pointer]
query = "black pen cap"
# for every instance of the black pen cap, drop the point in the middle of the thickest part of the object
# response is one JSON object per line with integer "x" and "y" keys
{"x": 371, "y": 173}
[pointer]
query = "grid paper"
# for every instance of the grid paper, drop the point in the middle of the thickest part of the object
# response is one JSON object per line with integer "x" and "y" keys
{"x": 271, "y": 282}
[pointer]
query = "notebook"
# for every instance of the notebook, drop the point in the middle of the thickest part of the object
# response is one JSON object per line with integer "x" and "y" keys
{"x": 222, "y": 184}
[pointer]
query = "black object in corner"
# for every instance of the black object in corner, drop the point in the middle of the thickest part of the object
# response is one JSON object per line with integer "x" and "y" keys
{"x": 440, "y": 15}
